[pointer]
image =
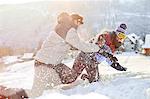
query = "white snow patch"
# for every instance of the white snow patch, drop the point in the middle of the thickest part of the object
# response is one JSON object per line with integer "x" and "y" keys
{"x": 61, "y": 96}
{"x": 10, "y": 59}
{"x": 133, "y": 84}
{"x": 27, "y": 56}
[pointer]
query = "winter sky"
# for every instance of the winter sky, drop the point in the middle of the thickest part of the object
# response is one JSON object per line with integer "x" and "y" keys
{"x": 26, "y": 1}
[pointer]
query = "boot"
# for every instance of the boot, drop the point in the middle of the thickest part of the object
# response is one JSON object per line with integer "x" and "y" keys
{"x": 117, "y": 66}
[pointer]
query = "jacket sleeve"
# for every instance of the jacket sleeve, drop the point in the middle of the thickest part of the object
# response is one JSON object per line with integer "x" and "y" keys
{"x": 109, "y": 42}
{"x": 73, "y": 39}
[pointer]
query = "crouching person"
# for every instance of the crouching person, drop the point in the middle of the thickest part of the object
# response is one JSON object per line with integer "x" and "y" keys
{"x": 49, "y": 69}
{"x": 108, "y": 43}
{"x": 111, "y": 41}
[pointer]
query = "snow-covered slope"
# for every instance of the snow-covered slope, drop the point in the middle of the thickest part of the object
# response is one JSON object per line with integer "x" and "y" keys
{"x": 133, "y": 84}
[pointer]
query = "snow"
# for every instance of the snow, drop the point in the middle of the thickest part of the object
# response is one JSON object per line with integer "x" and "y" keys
{"x": 147, "y": 41}
{"x": 133, "y": 84}
{"x": 119, "y": 88}
{"x": 18, "y": 74}
{"x": 27, "y": 56}
{"x": 10, "y": 59}
{"x": 133, "y": 37}
{"x": 61, "y": 96}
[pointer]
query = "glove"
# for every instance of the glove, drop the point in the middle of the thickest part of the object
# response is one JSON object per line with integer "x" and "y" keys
{"x": 117, "y": 66}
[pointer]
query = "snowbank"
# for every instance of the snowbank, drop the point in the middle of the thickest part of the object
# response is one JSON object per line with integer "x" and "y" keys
{"x": 119, "y": 88}
{"x": 11, "y": 59}
{"x": 61, "y": 96}
{"x": 132, "y": 84}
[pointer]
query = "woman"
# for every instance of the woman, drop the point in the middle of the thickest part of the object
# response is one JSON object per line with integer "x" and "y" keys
{"x": 49, "y": 71}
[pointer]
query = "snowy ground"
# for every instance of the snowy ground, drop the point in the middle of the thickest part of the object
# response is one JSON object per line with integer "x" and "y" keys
{"x": 133, "y": 84}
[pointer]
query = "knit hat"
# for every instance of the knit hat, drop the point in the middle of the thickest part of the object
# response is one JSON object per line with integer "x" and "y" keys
{"x": 121, "y": 31}
{"x": 122, "y": 28}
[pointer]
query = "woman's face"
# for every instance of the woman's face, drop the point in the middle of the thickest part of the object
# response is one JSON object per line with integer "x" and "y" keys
{"x": 77, "y": 22}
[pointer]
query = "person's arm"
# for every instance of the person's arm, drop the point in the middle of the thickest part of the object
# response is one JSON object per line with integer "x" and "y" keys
{"x": 73, "y": 39}
{"x": 99, "y": 58}
{"x": 111, "y": 60}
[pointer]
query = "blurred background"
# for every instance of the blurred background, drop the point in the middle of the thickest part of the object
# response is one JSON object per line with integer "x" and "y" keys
{"x": 25, "y": 24}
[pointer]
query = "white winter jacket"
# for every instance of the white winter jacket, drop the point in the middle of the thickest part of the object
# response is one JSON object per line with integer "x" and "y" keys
{"x": 54, "y": 49}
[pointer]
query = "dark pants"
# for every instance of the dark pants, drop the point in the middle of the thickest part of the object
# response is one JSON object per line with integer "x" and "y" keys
{"x": 83, "y": 61}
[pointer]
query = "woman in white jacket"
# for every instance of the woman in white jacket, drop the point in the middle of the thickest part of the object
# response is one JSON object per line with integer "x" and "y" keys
{"x": 49, "y": 69}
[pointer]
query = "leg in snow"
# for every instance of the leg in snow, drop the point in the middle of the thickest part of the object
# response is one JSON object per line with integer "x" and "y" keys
{"x": 45, "y": 78}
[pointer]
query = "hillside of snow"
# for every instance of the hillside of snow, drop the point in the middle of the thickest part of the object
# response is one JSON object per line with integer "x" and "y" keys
{"x": 132, "y": 84}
